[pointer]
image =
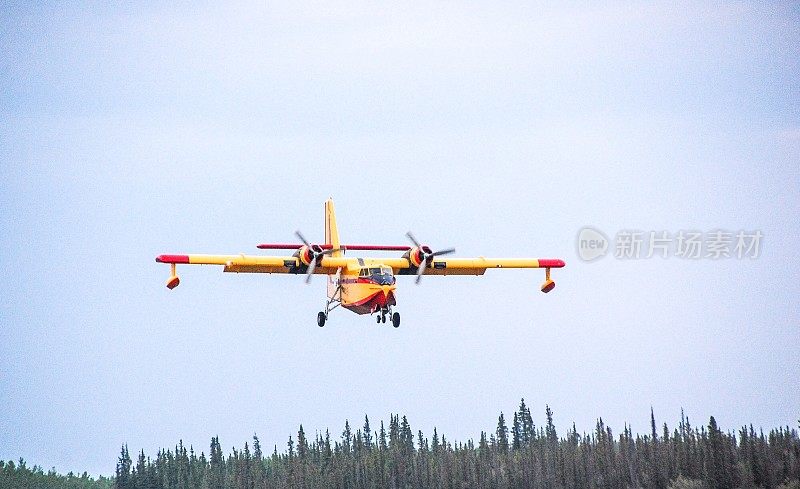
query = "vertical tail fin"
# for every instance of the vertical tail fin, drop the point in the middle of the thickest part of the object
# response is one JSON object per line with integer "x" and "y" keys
{"x": 331, "y": 231}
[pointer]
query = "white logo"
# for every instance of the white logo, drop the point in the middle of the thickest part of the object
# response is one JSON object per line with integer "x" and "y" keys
{"x": 592, "y": 244}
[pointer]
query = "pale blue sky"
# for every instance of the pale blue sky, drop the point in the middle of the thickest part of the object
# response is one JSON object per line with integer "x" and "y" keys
{"x": 127, "y": 131}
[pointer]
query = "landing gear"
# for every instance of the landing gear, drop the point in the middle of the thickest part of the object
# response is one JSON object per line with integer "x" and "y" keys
{"x": 386, "y": 312}
{"x": 332, "y": 303}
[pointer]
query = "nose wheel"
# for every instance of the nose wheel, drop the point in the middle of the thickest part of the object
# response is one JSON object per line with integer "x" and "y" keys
{"x": 383, "y": 314}
{"x": 321, "y": 317}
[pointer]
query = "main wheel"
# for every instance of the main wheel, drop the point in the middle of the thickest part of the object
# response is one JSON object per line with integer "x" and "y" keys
{"x": 396, "y": 320}
{"x": 383, "y": 318}
{"x": 321, "y": 319}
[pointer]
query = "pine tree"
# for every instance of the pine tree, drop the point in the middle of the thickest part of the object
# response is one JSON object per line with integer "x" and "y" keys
{"x": 142, "y": 476}
{"x": 217, "y": 465}
{"x": 550, "y": 431}
{"x": 327, "y": 453}
{"x": 502, "y": 434}
{"x": 406, "y": 436}
{"x": 367, "y": 434}
{"x": 719, "y": 472}
{"x": 258, "y": 464}
{"x": 382, "y": 439}
{"x": 653, "y": 426}
{"x": 246, "y": 468}
{"x": 516, "y": 433}
{"x": 123, "y": 472}
{"x": 551, "y": 450}
{"x": 302, "y": 444}
{"x": 526, "y": 421}
{"x": 347, "y": 436}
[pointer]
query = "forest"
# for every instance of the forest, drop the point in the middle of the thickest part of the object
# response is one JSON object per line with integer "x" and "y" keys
{"x": 517, "y": 454}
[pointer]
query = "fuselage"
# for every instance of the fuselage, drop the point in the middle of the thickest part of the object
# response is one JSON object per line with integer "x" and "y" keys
{"x": 366, "y": 289}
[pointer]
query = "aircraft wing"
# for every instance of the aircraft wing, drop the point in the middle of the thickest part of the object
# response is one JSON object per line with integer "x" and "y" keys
{"x": 478, "y": 266}
{"x": 331, "y": 264}
{"x": 465, "y": 266}
{"x": 472, "y": 266}
{"x": 252, "y": 264}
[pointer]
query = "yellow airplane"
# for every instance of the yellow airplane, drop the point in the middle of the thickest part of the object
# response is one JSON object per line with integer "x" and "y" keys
{"x": 362, "y": 285}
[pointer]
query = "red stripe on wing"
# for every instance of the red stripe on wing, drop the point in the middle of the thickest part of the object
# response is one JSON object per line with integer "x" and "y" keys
{"x": 353, "y": 247}
{"x": 172, "y": 258}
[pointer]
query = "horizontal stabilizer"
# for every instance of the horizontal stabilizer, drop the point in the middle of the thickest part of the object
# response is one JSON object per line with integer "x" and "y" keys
{"x": 353, "y": 247}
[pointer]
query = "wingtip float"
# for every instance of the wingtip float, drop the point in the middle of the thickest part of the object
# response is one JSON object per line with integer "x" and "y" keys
{"x": 362, "y": 285}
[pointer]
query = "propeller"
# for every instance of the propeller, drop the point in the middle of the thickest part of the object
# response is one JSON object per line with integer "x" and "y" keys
{"x": 315, "y": 254}
{"x": 426, "y": 258}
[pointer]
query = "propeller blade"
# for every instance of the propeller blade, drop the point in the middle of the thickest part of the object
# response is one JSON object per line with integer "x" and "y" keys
{"x": 313, "y": 264}
{"x": 413, "y": 239}
{"x": 421, "y": 271}
{"x": 426, "y": 258}
{"x": 310, "y": 270}
{"x": 302, "y": 238}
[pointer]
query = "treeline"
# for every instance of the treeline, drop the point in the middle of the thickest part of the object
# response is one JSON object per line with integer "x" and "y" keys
{"x": 20, "y": 476}
{"x": 518, "y": 454}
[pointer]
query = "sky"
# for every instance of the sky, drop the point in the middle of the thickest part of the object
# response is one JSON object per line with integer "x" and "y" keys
{"x": 502, "y": 129}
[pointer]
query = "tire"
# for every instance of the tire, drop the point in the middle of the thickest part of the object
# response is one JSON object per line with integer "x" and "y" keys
{"x": 396, "y": 320}
{"x": 321, "y": 319}
{"x": 383, "y": 318}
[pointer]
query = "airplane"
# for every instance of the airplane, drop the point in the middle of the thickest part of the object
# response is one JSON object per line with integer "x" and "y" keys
{"x": 362, "y": 285}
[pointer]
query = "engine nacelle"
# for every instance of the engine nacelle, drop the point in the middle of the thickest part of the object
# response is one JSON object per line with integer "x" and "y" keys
{"x": 307, "y": 254}
{"x": 417, "y": 255}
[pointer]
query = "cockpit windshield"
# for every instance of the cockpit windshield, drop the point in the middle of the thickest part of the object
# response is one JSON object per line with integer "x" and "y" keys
{"x": 380, "y": 275}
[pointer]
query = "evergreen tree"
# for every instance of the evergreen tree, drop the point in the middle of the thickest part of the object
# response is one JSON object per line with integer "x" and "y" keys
{"x": 526, "y": 422}
{"x": 516, "y": 433}
{"x": 502, "y": 434}
{"x": 367, "y": 434}
{"x": 258, "y": 475}
{"x": 302, "y": 444}
{"x": 142, "y": 479}
{"x": 382, "y": 436}
{"x": 123, "y": 478}
{"x": 653, "y": 426}
{"x": 550, "y": 431}
{"x": 347, "y": 436}
{"x": 720, "y": 472}
{"x": 217, "y": 465}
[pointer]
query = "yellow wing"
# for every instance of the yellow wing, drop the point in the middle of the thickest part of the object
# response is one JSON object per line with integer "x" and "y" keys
{"x": 253, "y": 264}
{"x": 462, "y": 266}
{"x": 258, "y": 264}
{"x": 331, "y": 264}
{"x": 472, "y": 266}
